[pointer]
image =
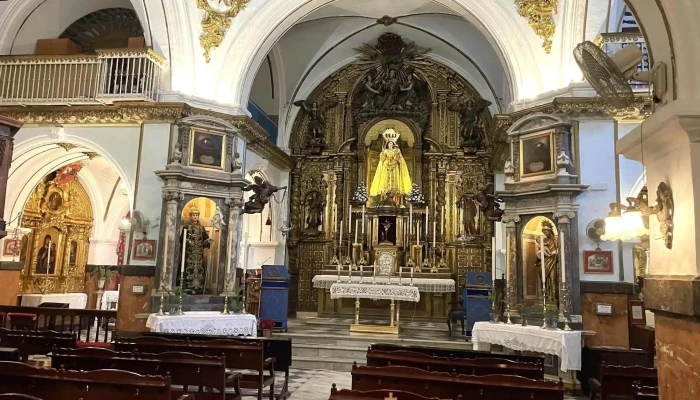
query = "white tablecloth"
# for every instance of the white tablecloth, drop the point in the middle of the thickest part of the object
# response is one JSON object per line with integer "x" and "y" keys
{"x": 425, "y": 285}
{"x": 374, "y": 291}
{"x": 109, "y": 297}
{"x": 74, "y": 300}
{"x": 205, "y": 323}
{"x": 564, "y": 344}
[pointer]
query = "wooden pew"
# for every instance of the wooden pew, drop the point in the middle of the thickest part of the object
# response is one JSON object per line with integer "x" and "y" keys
{"x": 52, "y": 384}
{"x": 618, "y": 381}
{"x": 592, "y": 357}
{"x": 346, "y": 394}
{"x": 239, "y": 355}
{"x": 276, "y": 347}
{"x": 205, "y": 374}
{"x": 448, "y": 386}
{"x": 645, "y": 392}
{"x": 459, "y": 353}
{"x": 465, "y": 366}
{"x": 36, "y": 342}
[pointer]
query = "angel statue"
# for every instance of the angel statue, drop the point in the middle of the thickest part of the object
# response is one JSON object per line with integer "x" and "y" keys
{"x": 369, "y": 96}
{"x": 471, "y": 121}
{"x": 315, "y": 139}
{"x": 262, "y": 191}
{"x": 489, "y": 203}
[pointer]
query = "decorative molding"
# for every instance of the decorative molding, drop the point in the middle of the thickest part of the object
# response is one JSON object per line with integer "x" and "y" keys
{"x": 216, "y": 21}
{"x": 91, "y": 154}
{"x": 540, "y": 17}
{"x": 67, "y": 146}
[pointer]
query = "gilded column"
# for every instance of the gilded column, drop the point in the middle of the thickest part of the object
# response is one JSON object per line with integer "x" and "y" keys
{"x": 340, "y": 199}
{"x": 440, "y": 193}
{"x": 172, "y": 197}
{"x": 511, "y": 290}
{"x": 235, "y": 203}
{"x": 295, "y": 214}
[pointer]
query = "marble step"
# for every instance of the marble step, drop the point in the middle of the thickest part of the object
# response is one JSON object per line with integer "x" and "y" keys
{"x": 357, "y": 353}
{"x": 325, "y": 363}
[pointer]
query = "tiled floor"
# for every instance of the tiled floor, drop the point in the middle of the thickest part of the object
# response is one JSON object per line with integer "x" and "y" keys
{"x": 311, "y": 384}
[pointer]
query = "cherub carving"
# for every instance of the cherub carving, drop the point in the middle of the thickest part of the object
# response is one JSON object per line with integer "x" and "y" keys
{"x": 262, "y": 190}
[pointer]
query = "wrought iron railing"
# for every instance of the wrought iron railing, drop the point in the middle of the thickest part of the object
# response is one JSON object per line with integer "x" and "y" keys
{"x": 108, "y": 76}
{"x": 613, "y": 42}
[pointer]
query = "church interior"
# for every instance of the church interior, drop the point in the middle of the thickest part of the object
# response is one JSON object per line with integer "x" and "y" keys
{"x": 349, "y": 199}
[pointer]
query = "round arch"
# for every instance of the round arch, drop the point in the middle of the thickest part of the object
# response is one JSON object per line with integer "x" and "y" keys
{"x": 496, "y": 20}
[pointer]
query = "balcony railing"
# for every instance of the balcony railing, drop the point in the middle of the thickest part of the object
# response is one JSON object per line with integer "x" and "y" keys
{"x": 611, "y": 43}
{"x": 108, "y": 76}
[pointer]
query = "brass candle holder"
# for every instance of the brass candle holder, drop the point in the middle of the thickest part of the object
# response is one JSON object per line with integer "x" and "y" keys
{"x": 162, "y": 300}
{"x": 563, "y": 306}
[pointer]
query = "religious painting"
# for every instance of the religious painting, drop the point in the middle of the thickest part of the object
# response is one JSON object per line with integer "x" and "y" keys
{"x": 597, "y": 262}
{"x": 73, "y": 253}
{"x": 537, "y": 154}
{"x": 207, "y": 149}
{"x": 68, "y": 173}
{"x": 144, "y": 249}
{"x": 53, "y": 200}
{"x": 11, "y": 247}
{"x": 50, "y": 242}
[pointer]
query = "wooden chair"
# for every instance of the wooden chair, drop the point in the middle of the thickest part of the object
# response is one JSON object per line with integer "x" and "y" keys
{"x": 618, "y": 381}
{"x": 346, "y": 394}
{"x": 465, "y": 366}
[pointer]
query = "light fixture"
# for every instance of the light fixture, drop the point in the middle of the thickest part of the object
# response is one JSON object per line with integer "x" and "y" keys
{"x": 125, "y": 223}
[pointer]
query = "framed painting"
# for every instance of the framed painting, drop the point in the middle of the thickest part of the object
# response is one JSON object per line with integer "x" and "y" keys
{"x": 537, "y": 154}
{"x": 49, "y": 251}
{"x": 207, "y": 149}
{"x": 597, "y": 262}
{"x": 11, "y": 247}
{"x": 144, "y": 249}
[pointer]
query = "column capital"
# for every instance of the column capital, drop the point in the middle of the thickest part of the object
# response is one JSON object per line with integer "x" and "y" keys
{"x": 510, "y": 220}
{"x": 172, "y": 194}
{"x": 564, "y": 217}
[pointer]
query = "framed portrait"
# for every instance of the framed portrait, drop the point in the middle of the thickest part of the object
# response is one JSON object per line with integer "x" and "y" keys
{"x": 11, "y": 247}
{"x": 207, "y": 149}
{"x": 537, "y": 154}
{"x": 49, "y": 250}
{"x": 597, "y": 262}
{"x": 144, "y": 249}
{"x": 53, "y": 202}
{"x": 638, "y": 315}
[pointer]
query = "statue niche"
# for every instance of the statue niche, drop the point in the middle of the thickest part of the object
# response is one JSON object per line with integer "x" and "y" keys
{"x": 471, "y": 123}
{"x": 391, "y": 179}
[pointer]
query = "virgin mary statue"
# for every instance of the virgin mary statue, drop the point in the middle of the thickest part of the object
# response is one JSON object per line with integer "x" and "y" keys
{"x": 391, "y": 178}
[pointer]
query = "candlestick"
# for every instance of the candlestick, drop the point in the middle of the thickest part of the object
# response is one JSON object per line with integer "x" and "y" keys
{"x": 544, "y": 278}
{"x": 493, "y": 259}
{"x": 182, "y": 270}
{"x": 357, "y": 229}
{"x": 562, "y": 257}
{"x": 363, "y": 220}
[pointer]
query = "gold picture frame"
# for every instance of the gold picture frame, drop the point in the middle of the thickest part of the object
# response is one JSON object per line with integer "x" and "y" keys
{"x": 207, "y": 149}
{"x": 537, "y": 154}
{"x": 54, "y": 200}
{"x": 42, "y": 264}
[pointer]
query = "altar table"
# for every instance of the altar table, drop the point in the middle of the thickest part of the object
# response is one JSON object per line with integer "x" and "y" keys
{"x": 375, "y": 291}
{"x": 564, "y": 344}
{"x": 109, "y": 297}
{"x": 205, "y": 323}
{"x": 425, "y": 285}
{"x": 74, "y": 300}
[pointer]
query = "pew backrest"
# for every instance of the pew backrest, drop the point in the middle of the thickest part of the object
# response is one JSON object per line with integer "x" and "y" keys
{"x": 346, "y": 394}
{"x": 617, "y": 380}
{"x": 36, "y": 342}
{"x": 458, "y": 353}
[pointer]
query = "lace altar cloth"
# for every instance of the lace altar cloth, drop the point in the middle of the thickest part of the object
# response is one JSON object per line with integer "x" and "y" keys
{"x": 109, "y": 297}
{"x": 205, "y": 323}
{"x": 425, "y": 285}
{"x": 74, "y": 300}
{"x": 564, "y": 344}
{"x": 374, "y": 292}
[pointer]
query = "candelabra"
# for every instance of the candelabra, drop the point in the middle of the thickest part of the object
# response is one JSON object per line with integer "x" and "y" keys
{"x": 226, "y": 293}
{"x": 162, "y": 299}
{"x": 564, "y": 306}
{"x": 508, "y": 303}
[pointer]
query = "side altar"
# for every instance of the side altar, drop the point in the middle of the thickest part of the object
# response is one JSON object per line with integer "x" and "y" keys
{"x": 393, "y": 185}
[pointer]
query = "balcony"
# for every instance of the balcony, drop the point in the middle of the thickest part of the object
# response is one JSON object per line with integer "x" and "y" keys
{"x": 102, "y": 78}
{"x": 613, "y": 42}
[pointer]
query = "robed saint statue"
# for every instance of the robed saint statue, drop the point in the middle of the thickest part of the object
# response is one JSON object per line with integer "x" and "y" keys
{"x": 391, "y": 178}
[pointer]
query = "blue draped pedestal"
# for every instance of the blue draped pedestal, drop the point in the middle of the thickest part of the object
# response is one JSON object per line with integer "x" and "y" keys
{"x": 274, "y": 294}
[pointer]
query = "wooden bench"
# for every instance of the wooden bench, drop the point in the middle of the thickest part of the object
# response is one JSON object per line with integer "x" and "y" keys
{"x": 645, "y": 392}
{"x": 619, "y": 381}
{"x": 206, "y": 375}
{"x": 36, "y": 342}
{"x": 276, "y": 347}
{"x": 448, "y": 386}
{"x": 239, "y": 355}
{"x": 94, "y": 385}
{"x": 459, "y": 353}
{"x": 465, "y": 366}
{"x": 346, "y": 394}
{"x": 592, "y": 357}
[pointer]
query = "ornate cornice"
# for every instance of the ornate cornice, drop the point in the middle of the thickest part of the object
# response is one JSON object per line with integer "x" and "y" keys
{"x": 540, "y": 17}
{"x": 216, "y": 21}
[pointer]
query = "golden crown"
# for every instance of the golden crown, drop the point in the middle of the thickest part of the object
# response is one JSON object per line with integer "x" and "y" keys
{"x": 547, "y": 225}
{"x": 390, "y": 135}
{"x": 194, "y": 210}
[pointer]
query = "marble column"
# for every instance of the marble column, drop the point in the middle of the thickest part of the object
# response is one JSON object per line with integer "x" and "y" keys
{"x": 511, "y": 220}
{"x": 8, "y": 128}
{"x": 172, "y": 198}
{"x": 563, "y": 227}
{"x": 235, "y": 204}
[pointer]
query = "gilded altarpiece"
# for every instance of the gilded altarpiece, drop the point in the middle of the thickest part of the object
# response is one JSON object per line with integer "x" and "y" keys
{"x": 56, "y": 251}
{"x": 336, "y": 140}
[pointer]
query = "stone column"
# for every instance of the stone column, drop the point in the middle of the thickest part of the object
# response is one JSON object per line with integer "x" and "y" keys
{"x": 171, "y": 242}
{"x": 235, "y": 204}
{"x": 563, "y": 227}
{"x": 512, "y": 284}
{"x": 8, "y": 128}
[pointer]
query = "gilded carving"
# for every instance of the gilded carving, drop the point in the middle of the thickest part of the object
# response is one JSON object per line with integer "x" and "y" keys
{"x": 540, "y": 15}
{"x": 216, "y": 21}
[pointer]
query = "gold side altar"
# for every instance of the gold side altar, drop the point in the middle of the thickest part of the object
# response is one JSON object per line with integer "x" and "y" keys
{"x": 394, "y": 164}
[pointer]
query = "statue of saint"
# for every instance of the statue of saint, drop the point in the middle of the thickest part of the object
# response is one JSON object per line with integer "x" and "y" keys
{"x": 470, "y": 121}
{"x": 469, "y": 215}
{"x": 315, "y": 139}
{"x": 197, "y": 241}
{"x": 551, "y": 262}
{"x": 314, "y": 214}
{"x": 391, "y": 177}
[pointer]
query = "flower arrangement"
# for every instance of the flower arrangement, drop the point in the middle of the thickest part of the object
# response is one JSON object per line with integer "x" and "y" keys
{"x": 266, "y": 324}
{"x": 415, "y": 196}
{"x": 360, "y": 196}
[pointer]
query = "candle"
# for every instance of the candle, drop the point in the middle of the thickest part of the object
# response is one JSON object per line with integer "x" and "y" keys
{"x": 434, "y": 229}
{"x": 493, "y": 259}
{"x": 340, "y": 238}
{"x": 512, "y": 151}
{"x": 442, "y": 222}
{"x": 165, "y": 259}
{"x": 48, "y": 259}
{"x": 182, "y": 264}
{"x": 410, "y": 218}
{"x": 542, "y": 262}
{"x": 418, "y": 231}
{"x": 507, "y": 260}
{"x": 357, "y": 228}
{"x": 68, "y": 257}
{"x": 562, "y": 257}
{"x": 363, "y": 220}
{"x": 426, "y": 221}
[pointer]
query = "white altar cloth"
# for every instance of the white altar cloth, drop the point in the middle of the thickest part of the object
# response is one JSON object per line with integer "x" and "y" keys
{"x": 425, "y": 285}
{"x": 74, "y": 300}
{"x": 374, "y": 291}
{"x": 564, "y": 344}
{"x": 205, "y": 323}
{"x": 109, "y": 297}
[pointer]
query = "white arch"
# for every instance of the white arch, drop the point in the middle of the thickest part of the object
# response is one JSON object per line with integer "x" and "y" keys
{"x": 497, "y": 20}
{"x": 638, "y": 185}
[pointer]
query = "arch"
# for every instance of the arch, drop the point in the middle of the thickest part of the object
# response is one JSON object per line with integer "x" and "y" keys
{"x": 639, "y": 184}
{"x": 535, "y": 121}
{"x": 497, "y": 20}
